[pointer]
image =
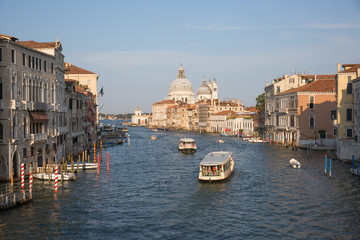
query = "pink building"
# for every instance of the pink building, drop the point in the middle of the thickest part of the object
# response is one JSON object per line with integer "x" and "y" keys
{"x": 304, "y": 115}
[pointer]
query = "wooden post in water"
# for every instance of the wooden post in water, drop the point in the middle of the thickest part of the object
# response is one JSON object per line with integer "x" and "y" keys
{"x": 72, "y": 165}
{"x": 49, "y": 174}
{"x": 325, "y": 163}
{"x": 108, "y": 169}
{"x": 101, "y": 150}
{"x": 353, "y": 164}
{"x": 128, "y": 140}
{"x": 98, "y": 167}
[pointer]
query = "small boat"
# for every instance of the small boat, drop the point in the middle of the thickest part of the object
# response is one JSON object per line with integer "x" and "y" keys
{"x": 187, "y": 145}
{"x": 220, "y": 141}
{"x": 45, "y": 176}
{"x": 86, "y": 166}
{"x": 294, "y": 163}
{"x": 216, "y": 166}
{"x": 153, "y": 137}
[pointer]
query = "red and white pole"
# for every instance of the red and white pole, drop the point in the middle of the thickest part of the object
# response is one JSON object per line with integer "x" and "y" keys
{"x": 98, "y": 168}
{"x": 22, "y": 177}
{"x": 108, "y": 162}
{"x": 30, "y": 181}
{"x": 56, "y": 178}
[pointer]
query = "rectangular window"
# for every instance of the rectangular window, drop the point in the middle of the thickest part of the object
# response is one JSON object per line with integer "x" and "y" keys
{"x": 12, "y": 56}
{"x": 44, "y": 66}
{"x": 349, "y": 88}
{"x": 52, "y": 67}
{"x": 277, "y": 120}
{"x": 1, "y": 91}
{"x": 349, "y": 114}
{"x": 349, "y": 132}
{"x": 24, "y": 58}
{"x": 40, "y": 64}
{"x": 37, "y": 63}
{"x": 311, "y": 121}
{"x": 335, "y": 131}
{"x": 277, "y": 89}
{"x": 33, "y": 62}
{"x": 292, "y": 120}
{"x": 333, "y": 114}
{"x": 29, "y": 63}
{"x": 0, "y": 54}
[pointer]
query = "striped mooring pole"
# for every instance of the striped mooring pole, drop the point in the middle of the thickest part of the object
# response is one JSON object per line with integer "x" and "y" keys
{"x": 30, "y": 181}
{"x": 22, "y": 177}
{"x": 56, "y": 178}
{"x": 95, "y": 152}
{"x": 330, "y": 167}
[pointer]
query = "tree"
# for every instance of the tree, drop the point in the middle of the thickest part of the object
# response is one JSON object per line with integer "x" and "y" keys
{"x": 260, "y": 102}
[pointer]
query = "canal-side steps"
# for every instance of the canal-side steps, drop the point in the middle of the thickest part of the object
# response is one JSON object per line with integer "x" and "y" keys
{"x": 9, "y": 199}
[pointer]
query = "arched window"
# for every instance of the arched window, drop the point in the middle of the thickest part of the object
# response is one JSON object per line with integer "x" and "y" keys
{"x": 311, "y": 102}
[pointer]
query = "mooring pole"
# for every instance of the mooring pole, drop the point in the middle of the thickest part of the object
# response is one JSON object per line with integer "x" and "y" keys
{"x": 325, "y": 163}
{"x": 108, "y": 168}
{"x": 353, "y": 163}
{"x": 330, "y": 168}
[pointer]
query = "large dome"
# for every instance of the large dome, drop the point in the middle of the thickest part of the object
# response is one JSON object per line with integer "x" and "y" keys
{"x": 181, "y": 84}
{"x": 181, "y": 89}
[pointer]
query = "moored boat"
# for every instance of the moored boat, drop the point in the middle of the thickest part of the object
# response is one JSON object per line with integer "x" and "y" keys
{"x": 216, "y": 166}
{"x": 45, "y": 176}
{"x": 187, "y": 145}
{"x": 85, "y": 166}
{"x": 294, "y": 163}
{"x": 153, "y": 137}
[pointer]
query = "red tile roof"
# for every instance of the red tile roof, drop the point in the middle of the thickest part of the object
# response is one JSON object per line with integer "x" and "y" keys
{"x": 226, "y": 113}
{"x": 250, "y": 109}
{"x": 351, "y": 68}
{"x": 72, "y": 69}
{"x": 165, "y": 102}
{"x": 33, "y": 44}
{"x": 316, "y": 86}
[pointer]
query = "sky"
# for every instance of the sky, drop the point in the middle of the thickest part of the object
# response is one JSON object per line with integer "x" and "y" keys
{"x": 136, "y": 47}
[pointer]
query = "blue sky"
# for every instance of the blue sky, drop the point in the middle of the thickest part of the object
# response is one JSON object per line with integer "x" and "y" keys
{"x": 136, "y": 47}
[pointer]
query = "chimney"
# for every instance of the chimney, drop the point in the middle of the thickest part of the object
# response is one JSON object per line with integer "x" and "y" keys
{"x": 315, "y": 78}
{"x": 338, "y": 67}
{"x": 285, "y": 76}
{"x": 267, "y": 84}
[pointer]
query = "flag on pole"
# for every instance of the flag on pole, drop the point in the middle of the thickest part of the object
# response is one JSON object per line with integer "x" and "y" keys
{"x": 101, "y": 91}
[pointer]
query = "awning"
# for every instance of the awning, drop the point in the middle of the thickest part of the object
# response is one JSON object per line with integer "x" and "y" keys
{"x": 226, "y": 129}
{"x": 39, "y": 117}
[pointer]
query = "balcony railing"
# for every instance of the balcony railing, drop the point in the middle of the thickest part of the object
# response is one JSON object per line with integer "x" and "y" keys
{"x": 40, "y": 137}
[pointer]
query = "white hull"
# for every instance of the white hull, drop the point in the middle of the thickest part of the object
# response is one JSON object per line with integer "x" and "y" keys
{"x": 86, "y": 166}
{"x": 46, "y": 176}
{"x": 187, "y": 145}
{"x": 294, "y": 163}
{"x": 217, "y": 175}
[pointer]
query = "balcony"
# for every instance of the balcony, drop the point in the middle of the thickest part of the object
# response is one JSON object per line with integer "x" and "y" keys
{"x": 40, "y": 106}
{"x": 38, "y": 137}
{"x": 24, "y": 105}
{"x": 29, "y": 106}
{"x": 62, "y": 130}
{"x": 77, "y": 133}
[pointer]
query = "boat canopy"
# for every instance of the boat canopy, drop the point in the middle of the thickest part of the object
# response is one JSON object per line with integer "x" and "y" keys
{"x": 216, "y": 158}
{"x": 187, "y": 140}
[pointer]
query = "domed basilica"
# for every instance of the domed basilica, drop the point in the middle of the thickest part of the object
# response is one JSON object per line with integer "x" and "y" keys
{"x": 181, "y": 89}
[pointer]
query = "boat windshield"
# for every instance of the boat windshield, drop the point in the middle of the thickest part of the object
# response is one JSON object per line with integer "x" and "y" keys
{"x": 211, "y": 170}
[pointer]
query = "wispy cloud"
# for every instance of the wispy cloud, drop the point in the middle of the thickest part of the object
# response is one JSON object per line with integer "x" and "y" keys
{"x": 217, "y": 27}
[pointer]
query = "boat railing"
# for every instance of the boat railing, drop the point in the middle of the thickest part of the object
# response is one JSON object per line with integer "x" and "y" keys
{"x": 211, "y": 174}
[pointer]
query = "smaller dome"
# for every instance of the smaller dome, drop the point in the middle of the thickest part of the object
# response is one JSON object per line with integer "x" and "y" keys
{"x": 204, "y": 89}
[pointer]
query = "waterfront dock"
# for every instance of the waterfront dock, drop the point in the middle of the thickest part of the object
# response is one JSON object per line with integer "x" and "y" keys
{"x": 9, "y": 199}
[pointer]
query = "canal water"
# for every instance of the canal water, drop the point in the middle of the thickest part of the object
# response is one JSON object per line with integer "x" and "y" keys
{"x": 152, "y": 192}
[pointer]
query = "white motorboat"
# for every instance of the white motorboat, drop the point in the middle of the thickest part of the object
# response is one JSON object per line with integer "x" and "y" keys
{"x": 294, "y": 163}
{"x": 187, "y": 145}
{"x": 45, "y": 176}
{"x": 220, "y": 141}
{"x": 153, "y": 137}
{"x": 216, "y": 166}
{"x": 85, "y": 166}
